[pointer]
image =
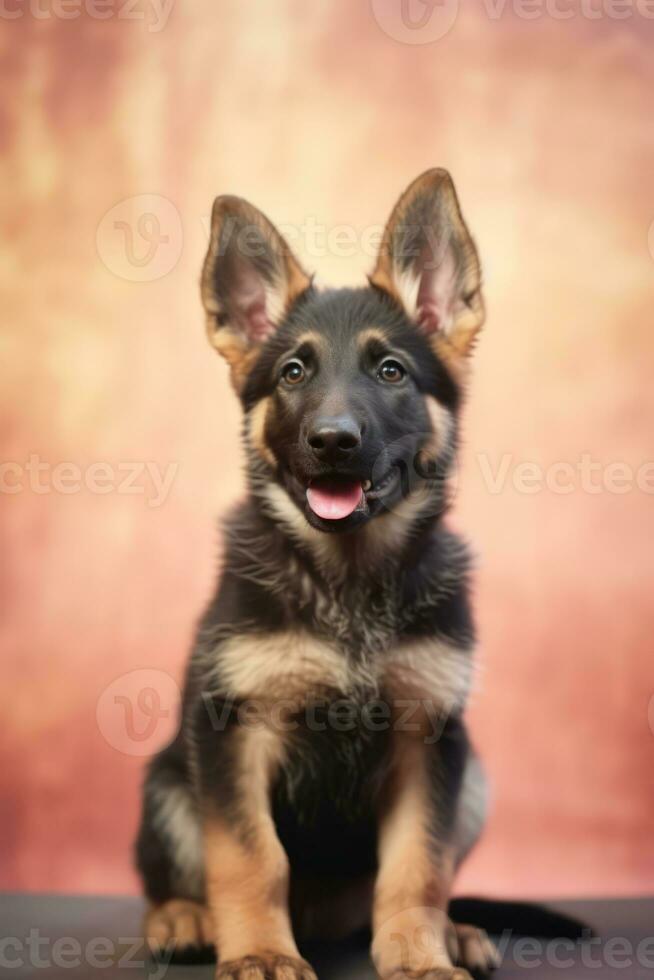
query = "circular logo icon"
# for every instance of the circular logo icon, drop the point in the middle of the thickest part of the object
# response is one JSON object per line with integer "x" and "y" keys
{"x": 428, "y": 478}
{"x": 417, "y": 940}
{"x": 140, "y": 239}
{"x": 416, "y": 21}
{"x": 138, "y": 713}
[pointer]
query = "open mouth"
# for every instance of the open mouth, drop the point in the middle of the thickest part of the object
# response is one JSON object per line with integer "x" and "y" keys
{"x": 336, "y": 500}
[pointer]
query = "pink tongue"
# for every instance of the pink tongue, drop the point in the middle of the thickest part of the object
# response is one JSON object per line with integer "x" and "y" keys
{"x": 334, "y": 502}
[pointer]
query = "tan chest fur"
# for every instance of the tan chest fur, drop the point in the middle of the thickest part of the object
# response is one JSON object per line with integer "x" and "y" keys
{"x": 296, "y": 665}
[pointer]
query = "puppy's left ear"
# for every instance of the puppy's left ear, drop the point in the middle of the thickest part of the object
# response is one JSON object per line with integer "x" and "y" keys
{"x": 428, "y": 262}
{"x": 250, "y": 279}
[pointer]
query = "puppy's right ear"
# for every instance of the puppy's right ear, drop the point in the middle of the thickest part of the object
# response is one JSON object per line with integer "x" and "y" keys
{"x": 250, "y": 279}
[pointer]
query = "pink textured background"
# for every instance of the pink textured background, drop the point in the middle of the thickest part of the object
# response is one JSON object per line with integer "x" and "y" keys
{"x": 317, "y": 113}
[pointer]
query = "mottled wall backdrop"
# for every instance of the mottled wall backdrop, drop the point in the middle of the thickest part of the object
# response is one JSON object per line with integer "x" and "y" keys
{"x": 119, "y": 431}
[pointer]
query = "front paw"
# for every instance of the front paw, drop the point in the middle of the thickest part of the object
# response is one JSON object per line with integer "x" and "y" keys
{"x": 265, "y": 968}
{"x": 472, "y": 948}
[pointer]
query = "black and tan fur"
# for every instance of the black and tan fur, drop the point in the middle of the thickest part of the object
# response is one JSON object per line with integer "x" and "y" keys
{"x": 269, "y": 817}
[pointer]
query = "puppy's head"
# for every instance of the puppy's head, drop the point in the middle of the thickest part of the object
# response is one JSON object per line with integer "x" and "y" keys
{"x": 350, "y": 395}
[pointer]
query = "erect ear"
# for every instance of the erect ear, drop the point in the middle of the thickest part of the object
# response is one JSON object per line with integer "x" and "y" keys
{"x": 250, "y": 278}
{"x": 428, "y": 262}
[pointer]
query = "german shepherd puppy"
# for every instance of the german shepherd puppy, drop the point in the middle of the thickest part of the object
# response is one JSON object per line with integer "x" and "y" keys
{"x": 322, "y": 777}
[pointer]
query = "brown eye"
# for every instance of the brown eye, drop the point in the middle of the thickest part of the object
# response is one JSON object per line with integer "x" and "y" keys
{"x": 293, "y": 372}
{"x": 391, "y": 371}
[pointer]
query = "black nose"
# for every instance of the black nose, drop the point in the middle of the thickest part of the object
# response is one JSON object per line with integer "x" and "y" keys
{"x": 334, "y": 439}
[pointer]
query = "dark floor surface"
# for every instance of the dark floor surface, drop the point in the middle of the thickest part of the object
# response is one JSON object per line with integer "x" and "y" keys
{"x": 67, "y": 938}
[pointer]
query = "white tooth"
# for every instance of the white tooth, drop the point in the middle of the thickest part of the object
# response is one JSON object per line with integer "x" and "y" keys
{"x": 366, "y": 485}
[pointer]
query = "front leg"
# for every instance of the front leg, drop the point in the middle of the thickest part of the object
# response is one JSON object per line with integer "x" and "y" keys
{"x": 247, "y": 871}
{"x": 417, "y": 855}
